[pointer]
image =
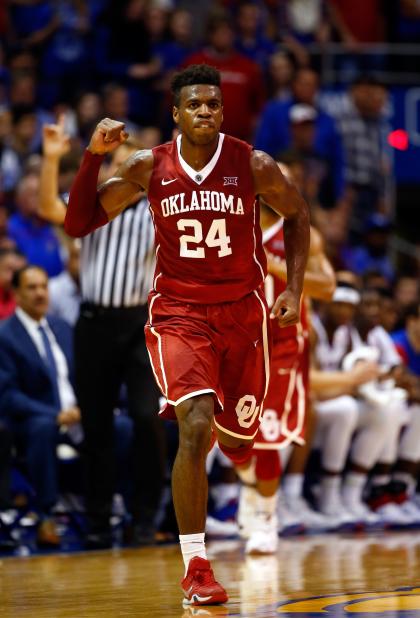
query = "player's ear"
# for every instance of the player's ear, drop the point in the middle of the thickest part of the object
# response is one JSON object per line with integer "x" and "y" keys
{"x": 175, "y": 114}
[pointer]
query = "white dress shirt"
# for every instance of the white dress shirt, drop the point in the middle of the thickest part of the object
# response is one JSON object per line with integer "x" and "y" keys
{"x": 64, "y": 298}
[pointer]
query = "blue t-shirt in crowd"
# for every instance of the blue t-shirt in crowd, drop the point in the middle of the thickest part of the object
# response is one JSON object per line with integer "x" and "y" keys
{"x": 38, "y": 242}
{"x": 274, "y": 137}
{"x": 406, "y": 350}
{"x": 359, "y": 260}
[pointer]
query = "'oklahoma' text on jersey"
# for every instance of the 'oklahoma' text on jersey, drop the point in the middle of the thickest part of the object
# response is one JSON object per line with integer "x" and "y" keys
{"x": 208, "y": 240}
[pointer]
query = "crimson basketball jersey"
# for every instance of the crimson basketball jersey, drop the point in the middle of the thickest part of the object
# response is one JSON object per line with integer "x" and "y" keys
{"x": 273, "y": 240}
{"x": 208, "y": 238}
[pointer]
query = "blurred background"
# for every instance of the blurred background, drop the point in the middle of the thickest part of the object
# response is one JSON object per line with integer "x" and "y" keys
{"x": 329, "y": 87}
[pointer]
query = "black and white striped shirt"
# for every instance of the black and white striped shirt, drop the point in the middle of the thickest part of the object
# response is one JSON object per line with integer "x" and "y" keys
{"x": 118, "y": 260}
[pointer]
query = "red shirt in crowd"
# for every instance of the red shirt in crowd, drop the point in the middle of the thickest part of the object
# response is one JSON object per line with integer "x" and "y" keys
{"x": 242, "y": 89}
{"x": 362, "y": 18}
{"x": 7, "y": 303}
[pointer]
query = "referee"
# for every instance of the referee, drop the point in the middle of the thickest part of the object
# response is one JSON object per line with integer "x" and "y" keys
{"x": 116, "y": 272}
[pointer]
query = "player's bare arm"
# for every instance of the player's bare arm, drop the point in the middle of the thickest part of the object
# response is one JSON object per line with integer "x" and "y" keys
{"x": 283, "y": 198}
{"x": 91, "y": 207}
{"x": 319, "y": 280}
{"x": 132, "y": 176}
{"x": 55, "y": 144}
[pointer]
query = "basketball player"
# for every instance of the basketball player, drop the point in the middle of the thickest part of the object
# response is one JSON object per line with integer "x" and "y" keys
{"x": 208, "y": 329}
{"x": 285, "y": 407}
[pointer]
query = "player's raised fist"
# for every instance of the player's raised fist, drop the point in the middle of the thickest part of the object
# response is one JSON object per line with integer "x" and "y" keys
{"x": 108, "y": 135}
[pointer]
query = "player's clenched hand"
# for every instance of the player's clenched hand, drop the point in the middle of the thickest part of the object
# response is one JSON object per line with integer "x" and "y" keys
{"x": 108, "y": 135}
{"x": 286, "y": 309}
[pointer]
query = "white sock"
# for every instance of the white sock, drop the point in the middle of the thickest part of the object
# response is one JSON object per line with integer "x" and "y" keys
{"x": 380, "y": 479}
{"x": 266, "y": 505}
{"x": 353, "y": 486}
{"x": 293, "y": 485}
{"x": 330, "y": 488}
{"x": 192, "y": 545}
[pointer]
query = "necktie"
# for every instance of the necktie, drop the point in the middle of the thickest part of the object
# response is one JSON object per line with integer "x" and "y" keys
{"x": 50, "y": 362}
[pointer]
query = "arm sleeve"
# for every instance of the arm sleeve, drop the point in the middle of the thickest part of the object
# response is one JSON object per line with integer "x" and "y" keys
{"x": 84, "y": 212}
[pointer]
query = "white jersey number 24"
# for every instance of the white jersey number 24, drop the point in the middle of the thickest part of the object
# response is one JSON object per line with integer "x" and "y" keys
{"x": 216, "y": 237}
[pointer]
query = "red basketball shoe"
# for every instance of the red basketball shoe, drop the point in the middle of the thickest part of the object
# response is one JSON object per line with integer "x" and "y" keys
{"x": 199, "y": 585}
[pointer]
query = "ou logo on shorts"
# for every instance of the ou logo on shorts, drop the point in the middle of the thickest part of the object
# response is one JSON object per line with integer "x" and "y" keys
{"x": 270, "y": 426}
{"x": 247, "y": 411}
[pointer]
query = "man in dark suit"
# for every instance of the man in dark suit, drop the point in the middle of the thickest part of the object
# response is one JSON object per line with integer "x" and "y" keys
{"x": 37, "y": 400}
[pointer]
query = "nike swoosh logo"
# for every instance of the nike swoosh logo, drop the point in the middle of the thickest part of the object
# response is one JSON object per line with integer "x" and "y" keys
{"x": 168, "y": 182}
{"x": 196, "y": 597}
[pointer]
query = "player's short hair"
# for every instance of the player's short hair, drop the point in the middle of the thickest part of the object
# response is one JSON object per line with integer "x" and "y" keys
{"x": 192, "y": 75}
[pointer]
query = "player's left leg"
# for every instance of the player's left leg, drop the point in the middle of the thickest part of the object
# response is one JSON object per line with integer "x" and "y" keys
{"x": 262, "y": 521}
{"x": 190, "y": 490}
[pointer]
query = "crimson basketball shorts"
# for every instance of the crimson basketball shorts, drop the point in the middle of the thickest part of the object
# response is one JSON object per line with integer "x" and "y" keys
{"x": 221, "y": 349}
{"x": 284, "y": 413}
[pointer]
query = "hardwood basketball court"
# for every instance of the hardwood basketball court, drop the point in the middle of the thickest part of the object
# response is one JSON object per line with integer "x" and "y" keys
{"x": 372, "y": 575}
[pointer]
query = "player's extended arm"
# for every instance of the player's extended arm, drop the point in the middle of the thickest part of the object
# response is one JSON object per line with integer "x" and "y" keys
{"x": 330, "y": 384}
{"x": 319, "y": 279}
{"x": 89, "y": 206}
{"x": 55, "y": 144}
{"x": 284, "y": 199}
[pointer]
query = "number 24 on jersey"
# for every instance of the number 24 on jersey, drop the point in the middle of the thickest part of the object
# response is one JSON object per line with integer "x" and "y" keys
{"x": 216, "y": 237}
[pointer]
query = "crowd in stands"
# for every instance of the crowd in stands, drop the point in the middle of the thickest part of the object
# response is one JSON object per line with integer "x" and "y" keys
{"x": 66, "y": 64}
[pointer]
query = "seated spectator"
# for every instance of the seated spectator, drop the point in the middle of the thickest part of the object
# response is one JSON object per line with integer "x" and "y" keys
{"x": 33, "y": 237}
{"x": 389, "y": 313}
{"x": 372, "y": 254}
{"x": 241, "y": 78}
{"x": 37, "y": 400}
{"x": 64, "y": 290}
{"x": 376, "y": 425}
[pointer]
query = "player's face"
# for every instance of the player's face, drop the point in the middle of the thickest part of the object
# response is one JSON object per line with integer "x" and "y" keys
{"x": 369, "y": 308}
{"x": 200, "y": 113}
{"x": 341, "y": 313}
